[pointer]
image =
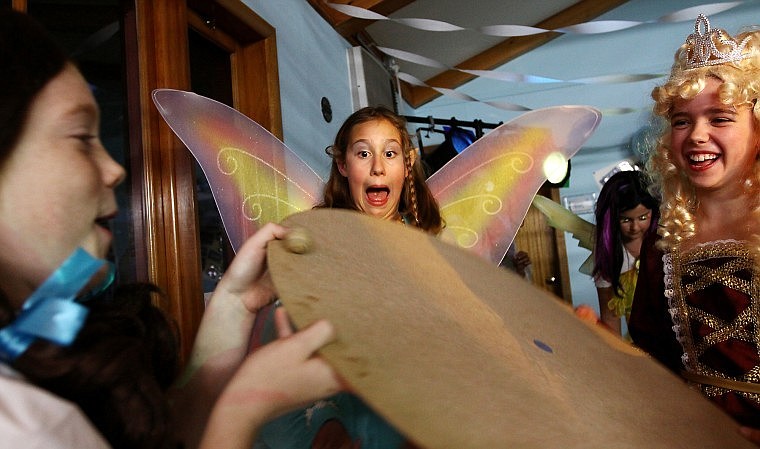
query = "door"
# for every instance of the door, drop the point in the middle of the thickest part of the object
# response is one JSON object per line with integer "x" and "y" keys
{"x": 546, "y": 247}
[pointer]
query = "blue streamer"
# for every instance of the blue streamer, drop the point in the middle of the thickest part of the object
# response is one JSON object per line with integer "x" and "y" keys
{"x": 51, "y": 312}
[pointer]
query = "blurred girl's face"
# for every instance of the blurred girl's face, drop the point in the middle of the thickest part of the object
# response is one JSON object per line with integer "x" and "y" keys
{"x": 634, "y": 223}
{"x": 56, "y": 187}
{"x": 374, "y": 166}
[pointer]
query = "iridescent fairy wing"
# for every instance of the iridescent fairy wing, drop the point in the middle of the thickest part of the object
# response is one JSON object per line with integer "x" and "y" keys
{"x": 253, "y": 176}
{"x": 565, "y": 220}
{"x": 484, "y": 192}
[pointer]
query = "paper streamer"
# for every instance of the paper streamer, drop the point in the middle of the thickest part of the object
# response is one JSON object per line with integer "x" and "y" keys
{"x": 595, "y": 27}
{"x": 506, "y": 106}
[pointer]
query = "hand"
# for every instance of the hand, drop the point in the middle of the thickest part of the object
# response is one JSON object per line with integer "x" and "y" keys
{"x": 282, "y": 375}
{"x": 521, "y": 262}
{"x": 286, "y": 373}
{"x": 751, "y": 434}
{"x": 247, "y": 277}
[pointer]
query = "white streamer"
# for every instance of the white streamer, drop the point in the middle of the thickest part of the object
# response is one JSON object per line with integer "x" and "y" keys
{"x": 517, "y": 77}
{"x": 506, "y": 106}
{"x": 595, "y": 27}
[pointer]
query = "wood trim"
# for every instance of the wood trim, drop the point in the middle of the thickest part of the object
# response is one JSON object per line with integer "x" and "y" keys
{"x": 255, "y": 73}
{"x": 564, "y": 271}
{"x": 256, "y": 66}
{"x": 170, "y": 216}
{"x": 348, "y": 26}
{"x": 243, "y": 13}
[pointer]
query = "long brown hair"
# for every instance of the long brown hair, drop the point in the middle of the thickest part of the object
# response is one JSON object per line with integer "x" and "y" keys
{"x": 416, "y": 199}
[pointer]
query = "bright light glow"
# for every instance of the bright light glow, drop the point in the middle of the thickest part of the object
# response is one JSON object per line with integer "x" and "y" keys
{"x": 555, "y": 167}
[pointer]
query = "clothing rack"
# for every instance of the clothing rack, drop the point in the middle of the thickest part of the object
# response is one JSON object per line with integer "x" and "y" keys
{"x": 477, "y": 124}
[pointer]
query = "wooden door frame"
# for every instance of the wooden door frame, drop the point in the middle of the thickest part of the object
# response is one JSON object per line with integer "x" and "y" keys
{"x": 164, "y": 197}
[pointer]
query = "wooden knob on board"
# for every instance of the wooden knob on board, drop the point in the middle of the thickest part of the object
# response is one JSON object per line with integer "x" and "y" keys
{"x": 299, "y": 241}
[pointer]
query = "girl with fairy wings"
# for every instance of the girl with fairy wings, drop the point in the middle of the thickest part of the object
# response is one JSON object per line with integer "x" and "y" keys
{"x": 482, "y": 197}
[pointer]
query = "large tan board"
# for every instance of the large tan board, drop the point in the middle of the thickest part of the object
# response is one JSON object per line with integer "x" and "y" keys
{"x": 458, "y": 353}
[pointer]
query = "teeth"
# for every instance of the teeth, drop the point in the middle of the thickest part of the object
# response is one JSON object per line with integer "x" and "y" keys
{"x": 702, "y": 157}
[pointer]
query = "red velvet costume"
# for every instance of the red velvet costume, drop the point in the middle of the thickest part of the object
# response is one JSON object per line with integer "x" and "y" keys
{"x": 697, "y": 313}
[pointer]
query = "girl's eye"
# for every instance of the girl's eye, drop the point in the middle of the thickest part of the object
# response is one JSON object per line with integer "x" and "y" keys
{"x": 363, "y": 154}
{"x": 86, "y": 139}
{"x": 679, "y": 124}
{"x": 390, "y": 154}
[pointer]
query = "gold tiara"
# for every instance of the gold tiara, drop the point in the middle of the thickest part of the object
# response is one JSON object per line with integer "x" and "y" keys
{"x": 701, "y": 50}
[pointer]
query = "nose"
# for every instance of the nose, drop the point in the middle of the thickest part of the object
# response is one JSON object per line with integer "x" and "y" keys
{"x": 378, "y": 166}
{"x": 112, "y": 172}
{"x": 699, "y": 133}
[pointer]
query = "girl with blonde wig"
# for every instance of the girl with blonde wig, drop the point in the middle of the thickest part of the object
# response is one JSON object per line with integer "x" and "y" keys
{"x": 696, "y": 302}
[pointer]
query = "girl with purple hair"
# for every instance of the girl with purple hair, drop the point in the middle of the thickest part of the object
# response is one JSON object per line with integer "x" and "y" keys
{"x": 625, "y": 213}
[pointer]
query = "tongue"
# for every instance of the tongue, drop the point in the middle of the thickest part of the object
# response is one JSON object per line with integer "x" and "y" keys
{"x": 377, "y": 196}
{"x": 702, "y": 164}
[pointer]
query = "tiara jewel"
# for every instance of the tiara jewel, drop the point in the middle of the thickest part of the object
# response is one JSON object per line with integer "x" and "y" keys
{"x": 702, "y": 51}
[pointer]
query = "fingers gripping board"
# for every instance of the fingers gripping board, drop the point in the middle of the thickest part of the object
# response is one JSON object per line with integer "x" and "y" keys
{"x": 458, "y": 353}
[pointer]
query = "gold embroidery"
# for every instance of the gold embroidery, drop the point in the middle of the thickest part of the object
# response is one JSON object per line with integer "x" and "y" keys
{"x": 692, "y": 272}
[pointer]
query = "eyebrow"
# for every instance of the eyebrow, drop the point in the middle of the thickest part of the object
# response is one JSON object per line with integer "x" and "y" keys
{"x": 82, "y": 108}
{"x": 368, "y": 140}
{"x": 715, "y": 110}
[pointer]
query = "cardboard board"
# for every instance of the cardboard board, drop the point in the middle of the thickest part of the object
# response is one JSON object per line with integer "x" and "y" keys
{"x": 458, "y": 353}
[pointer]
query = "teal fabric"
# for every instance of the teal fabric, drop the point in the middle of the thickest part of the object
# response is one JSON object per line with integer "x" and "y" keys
{"x": 51, "y": 312}
{"x": 296, "y": 430}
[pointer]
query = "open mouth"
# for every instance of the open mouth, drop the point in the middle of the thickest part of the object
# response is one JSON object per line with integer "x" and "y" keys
{"x": 377, "y": 196}
{"x": 105, "y": 221}
{"x": 701, "y": 161}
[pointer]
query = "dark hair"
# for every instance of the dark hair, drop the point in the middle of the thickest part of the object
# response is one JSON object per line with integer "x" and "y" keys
{"x": 29, "y": 58}
{"x": 416, "y": 198}
{"x": 117, "y": 370}
{"x": 125, "y": 356}
{"x": 624, "y": 191}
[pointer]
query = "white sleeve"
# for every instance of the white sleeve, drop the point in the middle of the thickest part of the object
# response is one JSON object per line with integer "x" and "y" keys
{"x": 33, "y": 418}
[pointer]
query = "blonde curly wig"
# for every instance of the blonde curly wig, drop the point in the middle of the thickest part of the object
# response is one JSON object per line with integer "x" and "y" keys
{"x": 740, "y": 86}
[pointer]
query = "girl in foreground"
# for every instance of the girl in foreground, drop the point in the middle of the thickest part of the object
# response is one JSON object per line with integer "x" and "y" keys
{"x": 99, "y": 373}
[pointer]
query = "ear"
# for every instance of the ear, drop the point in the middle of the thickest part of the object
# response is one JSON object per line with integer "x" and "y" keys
{"x": 342, "y": 168}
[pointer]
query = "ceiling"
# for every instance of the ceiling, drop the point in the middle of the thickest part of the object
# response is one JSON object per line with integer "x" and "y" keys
{"x": 632, "y": 59}
{"x": 468, "y": 48}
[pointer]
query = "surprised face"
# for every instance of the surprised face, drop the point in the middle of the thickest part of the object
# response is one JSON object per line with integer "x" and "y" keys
{"x": 375, "y": 169}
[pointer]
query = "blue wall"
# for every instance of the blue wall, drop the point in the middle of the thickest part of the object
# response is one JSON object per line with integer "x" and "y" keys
{"x": 313, "y": 64}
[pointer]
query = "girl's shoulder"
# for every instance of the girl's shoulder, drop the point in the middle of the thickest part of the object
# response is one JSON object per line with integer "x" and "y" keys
{"x": 31, "y": 417}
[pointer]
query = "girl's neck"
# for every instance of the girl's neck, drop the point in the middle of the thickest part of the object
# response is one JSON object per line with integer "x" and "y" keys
{"x": 634, "y": 247}
{"x": 721, "y": 216}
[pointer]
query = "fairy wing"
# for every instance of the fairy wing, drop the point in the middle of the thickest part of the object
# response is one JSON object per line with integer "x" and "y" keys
{"x": 254, "y": 177}
{"x": 561, "y": 218}
{"x": 484, "y": 192}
